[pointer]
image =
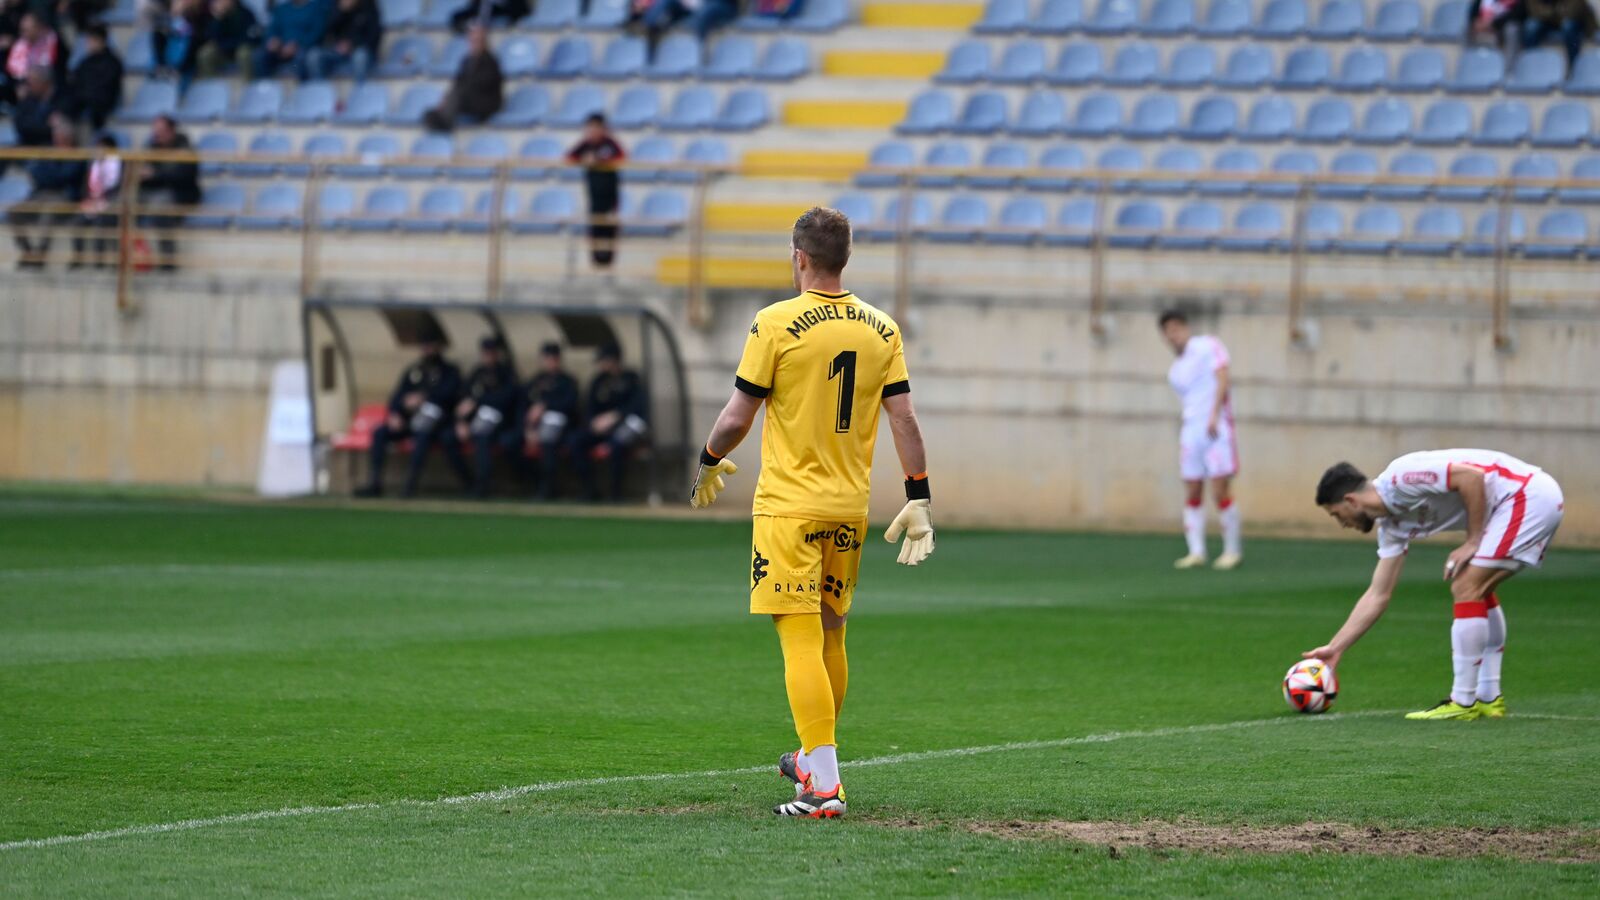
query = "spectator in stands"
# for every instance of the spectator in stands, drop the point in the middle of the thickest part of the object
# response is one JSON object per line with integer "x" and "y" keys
{"x": 84, "y": 13}
{"x": 97, "y": 80}
{"x": 1574, "y": 20}
{"x": 171, "y": 186}
{"x": 478, "y": 90}
{"x": 153, "y": 16}
{"x": 95, "y": 212}
{"x": 705, "y": 16}
{"x": 36, "y": 46}
{"x": 600, "y": 155}
{"x": 57, "y": 183}
{"x": 352, "y": 40}
{"x": 510, "y": 11}
{"x": 618, "y": 412}
{"x": 296, "y": 28}
{"x": 418, "y": 407}
{"x": 1501, "y": 19}
{"x": 180, "y": 45}
{"x": 37, "y": 103}
{"x": 486, "y": 417}
{"x": 233, "y": 36}
{"x": 550, "y": 411}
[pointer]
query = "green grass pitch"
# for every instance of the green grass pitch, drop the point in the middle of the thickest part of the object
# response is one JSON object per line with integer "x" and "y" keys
{"x": 164, "y": 661}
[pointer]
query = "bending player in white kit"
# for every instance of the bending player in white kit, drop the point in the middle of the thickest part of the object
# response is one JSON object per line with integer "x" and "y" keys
{"x": 1206, "y": 444}
{"x": 1510, "y": 510}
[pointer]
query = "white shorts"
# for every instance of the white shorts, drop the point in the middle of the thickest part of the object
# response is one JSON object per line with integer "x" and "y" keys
{"x": 1202, "y": 456}
{"x": 1520, "y": 528}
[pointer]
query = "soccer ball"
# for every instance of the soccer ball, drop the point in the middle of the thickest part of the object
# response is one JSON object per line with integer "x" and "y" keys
{"x": 1310, "y": 686}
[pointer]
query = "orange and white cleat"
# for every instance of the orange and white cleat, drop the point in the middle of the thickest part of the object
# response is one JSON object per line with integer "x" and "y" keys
{"x": 813, "y": 805}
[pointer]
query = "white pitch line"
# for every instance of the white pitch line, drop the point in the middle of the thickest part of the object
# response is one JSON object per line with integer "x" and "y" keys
{"x": 508, "y": 793}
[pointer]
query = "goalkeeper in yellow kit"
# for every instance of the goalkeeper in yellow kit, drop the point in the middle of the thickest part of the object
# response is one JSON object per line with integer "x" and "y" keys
{"x": 823, "y": 362}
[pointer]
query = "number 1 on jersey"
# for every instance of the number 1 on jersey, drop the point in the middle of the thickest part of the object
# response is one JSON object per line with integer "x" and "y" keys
{"x": 843, "y": 367}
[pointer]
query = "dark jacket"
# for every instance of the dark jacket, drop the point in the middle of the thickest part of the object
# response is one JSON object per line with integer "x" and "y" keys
{"x": 181, "y": 179}
{"x": 1554, "y": 12}
{"x": 234, "y": 30}
{"x": 438, "y": 378}
{"x": 558, "y": 391}
{"x": 623, "y": 392}
{"x": 361, "y": 26}
{"x": 495, "y": 387}
{"x": 31, "y": 118}
{"x": 301, "y": 24}
{"x": 479, "y": 87}
{"x": 97, "y": 86}
{"x": 67, "y": 176}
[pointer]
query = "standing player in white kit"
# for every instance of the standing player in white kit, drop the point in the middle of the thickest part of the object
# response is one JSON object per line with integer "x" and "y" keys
{"x": 1207, "y": 447}
{"x": 1510, "y": 510}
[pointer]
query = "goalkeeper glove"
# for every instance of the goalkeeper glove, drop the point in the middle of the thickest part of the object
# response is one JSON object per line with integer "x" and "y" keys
{"x": 708, "y": 481}
{"x": 915, "y": 522}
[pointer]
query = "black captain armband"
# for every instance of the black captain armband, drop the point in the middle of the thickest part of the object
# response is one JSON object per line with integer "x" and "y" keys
{"x": 706, "y": 459}
{"x": 917, "y": 487}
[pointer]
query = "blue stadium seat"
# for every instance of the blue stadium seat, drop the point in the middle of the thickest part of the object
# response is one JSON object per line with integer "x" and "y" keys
{"x": 381, "y": 209}
{"x": 819, "y": 16}
{"x": 1479, "y": 70}
{"x": 1323, "y": 225}
{"x": 858, "y": 208}
{"x": 552, "y": 15}
{"x": 445, "y": 62}
{"x": 1079, "y": 63}
{"x": 662, "y": 213}
{"x": 1271, "y": 119}
{"x": 1283, "y": 20}
{"x": 1362, "y": 69}
{"x": 153, "y": 98}
{"x": 1212, "y": 119}
{"x": 1196, "y": 227}
{"x": 1058, "y": 17}
{"x": 964, "y": 215}
{"x": 966, "y": 63}
{"x": 1042, "y": 113}
{"x": 1136, "y": 225}
{"x": 745, "y": 109}
{"x": 1447, "y": 23}
{"x": 550, "y": 211}
{"x": 1505, "y": 123}
{"x": 1022, "y": 63}
{"x": 519, "y": 56}
{"x": 704, "y": 151}
{"x": 525, "y": 107}
{"x": 1257, "y": 228}
{"x": 1586, "y": 168}
{"x": 1397, "y": 21}
{"x": 1249, "y": 66}
{"x": 1063, "y": 163}
{"x": 275, "y": 206}
{"x": 1183, "y": 163}
{"x": 367, "y": 105}
{"x": 578, "y": 103}
{"x": 944, "y": 155}
{"x": 785, "y": 59}
{"x": 219, "y": 205}
{"x": 1436, "y": 231}
{"x": 1226, "y": 19}
{"x": 324, "y": 145}
{"x": 887, "y": 155}
{"x": 397, "y": 14}
{"x": 205, "y": 102}
{"x": 1169, "y": 18}
{"x": 1338, "y": 20}
{"x": 638, "y": 106}
{"x": 406, "y": 57}
{"x": 1075, "y": 224}
{"x": 678, "y": 57}
{"x": 274, "y": 144}
{"x": 1386, "y": 121}
{"x": 1537, "y": 71}
{"x": 1421, "y": 71}
{"x": 1328, "y": 121}
{"x": 313, "y": 102}
{"x": 1136, "y": 63}
{"x": 1411, "y": 165}
{"x": 917, "y": 217}
{"x": 1351, "y": 164}
{"x": 693, "y": 109}
{"x": 1232, "y": 161}
{"x": 1021, "y": 221}
{"x": 733, "y": 57}
{"x": 417, "y": 99}
{"x": 1000, "y": 163}
{"x": 539, "y": 157}
{"x": 1002, "y": 17}
{"x": 430, "y": 152}
{"x": 1584, "y": 77}
{"x": 1120, "y": 158}
{"x": 623, "y": 58}
{"x": 480, "y": 219}
{"x": 1447, "y": 121}
{"x": 604, "y": 15}
{"x": 1305, "y": 69}
{"x": 645, "y": 158}
{"x": 1154, "y": 118}
{"x": 1113, "y": 17}
{"x": 1301, "y": 164}
{"x": 1562, "y": 235}
{"x": 1375, "y": 229}
{"x": 984, "y": 113}
{"x": 1191, "y": 65}
{"x": 139, "y": 58}
{"x": 1470, "y": 165}
{"x": 1565, "y": 124}
{"x": 930, "y": 112}
{"x": 1487, "y": 235}
{"x": 439, "y": 210}
{"x": 489, "y": 149}
{"x": 1097, "y": 115}
{"x": 374, "y": 150}
{"x": 569, "y": 57}
{"x": 121, "y": 13}
{"x": 1534, "y": 167}
{"x": 216, "y": 144}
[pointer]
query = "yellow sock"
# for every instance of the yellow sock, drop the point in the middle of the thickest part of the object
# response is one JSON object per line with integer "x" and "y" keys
{"x": 838, "y": 666}
{"x": 806, "y": 677}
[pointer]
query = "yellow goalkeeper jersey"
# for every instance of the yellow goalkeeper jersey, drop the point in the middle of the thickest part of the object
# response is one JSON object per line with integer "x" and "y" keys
{"x": 824, "y": 363}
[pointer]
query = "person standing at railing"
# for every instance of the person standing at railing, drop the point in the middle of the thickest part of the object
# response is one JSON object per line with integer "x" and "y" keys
{"x": 95, "y": 212}
{"x": 600, "y": 155}
{"x": 57, "y": 183}
{"x": 171, "y": 186}
{"x": 96, "y": 85}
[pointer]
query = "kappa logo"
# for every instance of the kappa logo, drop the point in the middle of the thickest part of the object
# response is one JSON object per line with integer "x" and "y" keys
{"x": 844, "y": 537}
{"x": 1420, "y": 478}
{"x": 758, "y": 567}
{"x": 755, "y": 328}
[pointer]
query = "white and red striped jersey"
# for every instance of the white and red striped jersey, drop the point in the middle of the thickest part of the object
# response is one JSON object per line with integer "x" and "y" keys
{"x": 1416, "y": 490}
{"x": 1194, "y": 376}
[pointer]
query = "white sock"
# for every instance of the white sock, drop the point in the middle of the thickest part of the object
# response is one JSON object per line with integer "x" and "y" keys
{"x": 1231, "y": 542}
{"x": 1194, "y": 529}
{"x": 1468, "y": 637}
{"x": 1494, "y": 651}
{"x": 802, "y": 764}
{"x": 824, "y": 768}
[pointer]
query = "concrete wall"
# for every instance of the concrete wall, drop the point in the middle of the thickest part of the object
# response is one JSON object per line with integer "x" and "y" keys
{"x": 1031, "y": 421}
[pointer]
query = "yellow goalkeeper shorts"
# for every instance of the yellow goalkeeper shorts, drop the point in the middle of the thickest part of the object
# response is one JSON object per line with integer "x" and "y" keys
{"x": 796, "y": 564}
